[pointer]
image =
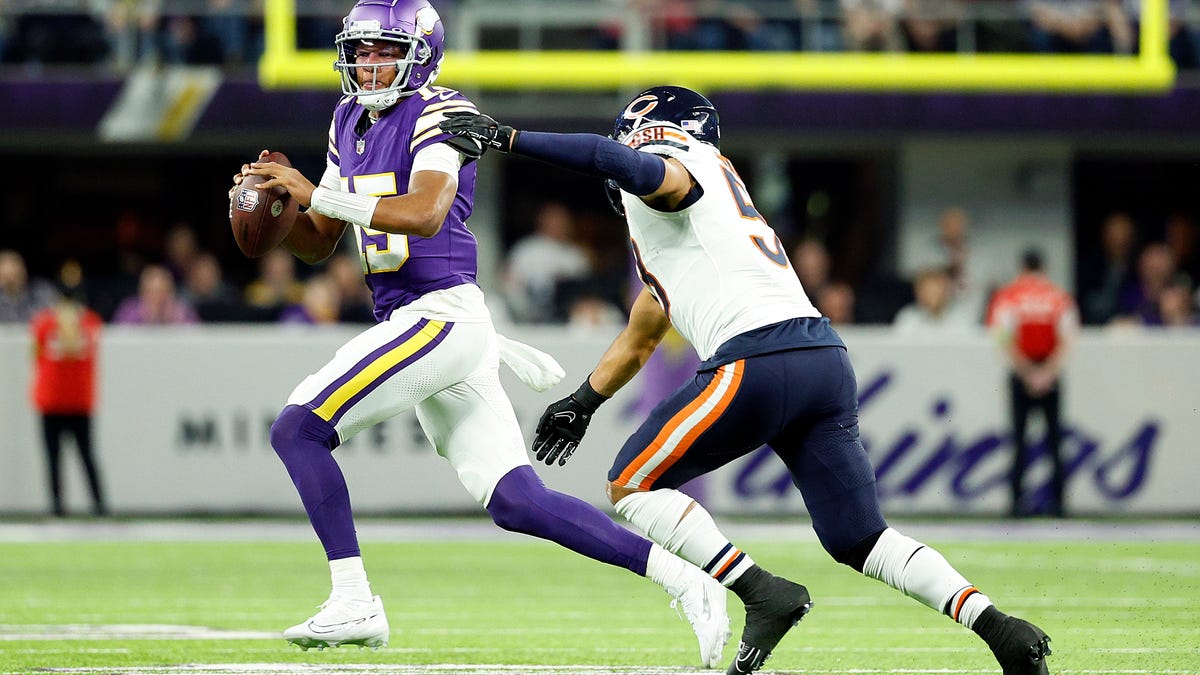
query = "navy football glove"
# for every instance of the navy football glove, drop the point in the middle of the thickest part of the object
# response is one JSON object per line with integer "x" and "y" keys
{"x": 482, "y": 128}
{"x": 563, "y": 424}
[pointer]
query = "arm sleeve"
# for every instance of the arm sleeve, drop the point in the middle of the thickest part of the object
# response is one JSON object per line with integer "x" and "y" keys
{"x": 438, "y": 157}
{"x": 332, "y": 178}
{"x": 635, "y": 172}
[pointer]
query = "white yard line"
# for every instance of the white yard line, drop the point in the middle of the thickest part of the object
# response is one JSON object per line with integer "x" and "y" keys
{"x": 482, "y": 529}
{"x": 499, "y": 669}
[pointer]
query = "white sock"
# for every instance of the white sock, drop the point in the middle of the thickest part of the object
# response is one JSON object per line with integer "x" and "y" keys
{"x": 663, "y": 568}
{"x": 693, "y": 537}
{"x": 921, "y": 573}
{"x": 350, "y": 578}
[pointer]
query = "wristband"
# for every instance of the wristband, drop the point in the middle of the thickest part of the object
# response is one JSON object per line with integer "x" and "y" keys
{"x": 587, "y": 397}
{"x": 351, "y": 207}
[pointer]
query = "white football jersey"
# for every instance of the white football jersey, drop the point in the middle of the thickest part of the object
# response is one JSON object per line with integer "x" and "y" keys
{"x": 716, "y": 267}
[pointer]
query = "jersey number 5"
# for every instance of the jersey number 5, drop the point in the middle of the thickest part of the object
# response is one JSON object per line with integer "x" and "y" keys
{"x": 741, "y": 197}
{"x": 381, "y": 251}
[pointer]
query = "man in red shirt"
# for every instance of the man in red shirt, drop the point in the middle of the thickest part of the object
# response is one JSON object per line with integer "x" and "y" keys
{"x": 65, "y": 341}
{"x": 1035, "y": 322}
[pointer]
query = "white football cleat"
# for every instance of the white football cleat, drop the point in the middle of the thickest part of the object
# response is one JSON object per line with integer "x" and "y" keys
{"x": 343, "y": 622}
{"x": 703, "y": 602}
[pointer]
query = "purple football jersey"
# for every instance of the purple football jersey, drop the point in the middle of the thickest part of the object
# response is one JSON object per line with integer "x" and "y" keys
{"x": 376, "y": 159}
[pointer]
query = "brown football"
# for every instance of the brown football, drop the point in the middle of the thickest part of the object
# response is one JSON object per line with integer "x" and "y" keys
{"x": 261, "y": 218}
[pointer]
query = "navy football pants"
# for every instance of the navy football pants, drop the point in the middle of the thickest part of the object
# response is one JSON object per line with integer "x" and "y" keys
{"x": 803, "y": 403}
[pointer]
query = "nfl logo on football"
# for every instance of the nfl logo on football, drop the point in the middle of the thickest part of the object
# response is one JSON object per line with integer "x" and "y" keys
{"x": 247, "y": 200}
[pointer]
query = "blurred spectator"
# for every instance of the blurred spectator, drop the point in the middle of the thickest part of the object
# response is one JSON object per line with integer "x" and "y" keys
{"x": 812, "y": 263}
{"x": 1035, "y": 323}
{"x": 749, "y": 30}
{"x": 836, "y": 301}
{"x": 542, "y": 260}
{"x": 588, "y": 312}
{"x": 319, "y": 303}
{"x": 1176, "y": 306}
{"x": 345, "y": 271}
{"x": 932, "y": 25}
{"x": 276, "y": 286}
{"x": 674, "y": 23}
{"x": 179, "y": 38}
{"x": 181, "y": 251}
{"x": 818, "y": 27}
{"x": 1155, "y": 270}
{"x": 156, "y": 302}
{"x": 228, "y": 27}
{"x": 131, "y": 27}
{"x": 21, "y": 297}
{"x": 71, "y": 281}
{"x": 932, "y": 311}
{"x": 1080, "y": 26}
{"x": 1181, "y": 236}
{"x": 872, "y": 25}
{"x": 66, "y": 342}
{"x": 953, "y": 251}
{"x": 1104, "y": 275}
{"x": 205, "y": 290}
{"x": 37, "y": 38}
{"x": 1183, "y": 43}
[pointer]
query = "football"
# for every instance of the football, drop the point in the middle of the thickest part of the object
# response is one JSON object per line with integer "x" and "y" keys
{"x": 261, "y": 218}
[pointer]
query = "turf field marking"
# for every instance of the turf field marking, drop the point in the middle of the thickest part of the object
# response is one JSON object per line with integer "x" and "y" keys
{"x": 493, "y": 669}
{"x": 132, "y": 631}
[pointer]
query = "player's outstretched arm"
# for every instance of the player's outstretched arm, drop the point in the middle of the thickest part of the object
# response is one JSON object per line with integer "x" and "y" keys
{"x": 631, "y": 349}
{"x": 658, "y": 181}
{"x": 564, "y": 422}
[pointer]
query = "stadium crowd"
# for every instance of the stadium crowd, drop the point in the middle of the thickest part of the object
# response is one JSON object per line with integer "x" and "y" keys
{"x": 565, "y": 268}
{"x": 123, "y": 33}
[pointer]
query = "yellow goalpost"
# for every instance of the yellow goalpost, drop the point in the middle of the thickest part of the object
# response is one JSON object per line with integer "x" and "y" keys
{"x": 1149, "y": 70}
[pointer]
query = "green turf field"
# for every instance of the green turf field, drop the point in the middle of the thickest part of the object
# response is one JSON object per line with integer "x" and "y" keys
{"x": 517, "y": 605}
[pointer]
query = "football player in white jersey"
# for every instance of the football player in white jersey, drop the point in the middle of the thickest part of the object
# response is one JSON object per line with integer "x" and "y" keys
{"x": 773, "y": 372}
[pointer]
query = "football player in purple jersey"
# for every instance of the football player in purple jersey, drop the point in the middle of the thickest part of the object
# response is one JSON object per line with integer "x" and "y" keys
{"x": 405, "y": 188}
{"x": 773, "y": 372}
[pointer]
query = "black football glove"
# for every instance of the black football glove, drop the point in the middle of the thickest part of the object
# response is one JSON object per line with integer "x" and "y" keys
{"x": 489, "y": 132}
{"x": 563, "y": 424}
{"x": 470, "y": 148}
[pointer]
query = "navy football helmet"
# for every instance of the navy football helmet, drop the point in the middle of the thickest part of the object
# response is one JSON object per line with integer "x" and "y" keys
{"x": 694, "y": 113}
{"x": 413, "y": 25}
{"x": 678, "y": 105}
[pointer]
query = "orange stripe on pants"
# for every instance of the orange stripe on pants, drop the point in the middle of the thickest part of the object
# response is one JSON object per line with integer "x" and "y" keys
{"x": 734, "y": 371}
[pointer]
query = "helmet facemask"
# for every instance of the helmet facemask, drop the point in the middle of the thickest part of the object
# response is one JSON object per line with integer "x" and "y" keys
{"x": 411, "y": 50}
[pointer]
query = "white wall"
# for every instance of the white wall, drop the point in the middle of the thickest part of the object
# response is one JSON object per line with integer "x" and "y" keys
{"x": 184, "y": 416}
{"x": 1017, "y": 195}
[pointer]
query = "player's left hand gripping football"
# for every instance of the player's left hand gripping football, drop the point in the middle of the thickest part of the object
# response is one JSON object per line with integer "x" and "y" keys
{"x": 482, "y": 128}
{"x": 282, "y": 176}
{"x": 563, "y": 424}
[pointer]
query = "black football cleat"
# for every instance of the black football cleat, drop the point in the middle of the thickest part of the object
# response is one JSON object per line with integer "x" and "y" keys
{"x": 1020, "y": 647}
{"x": 767, "y": 621}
